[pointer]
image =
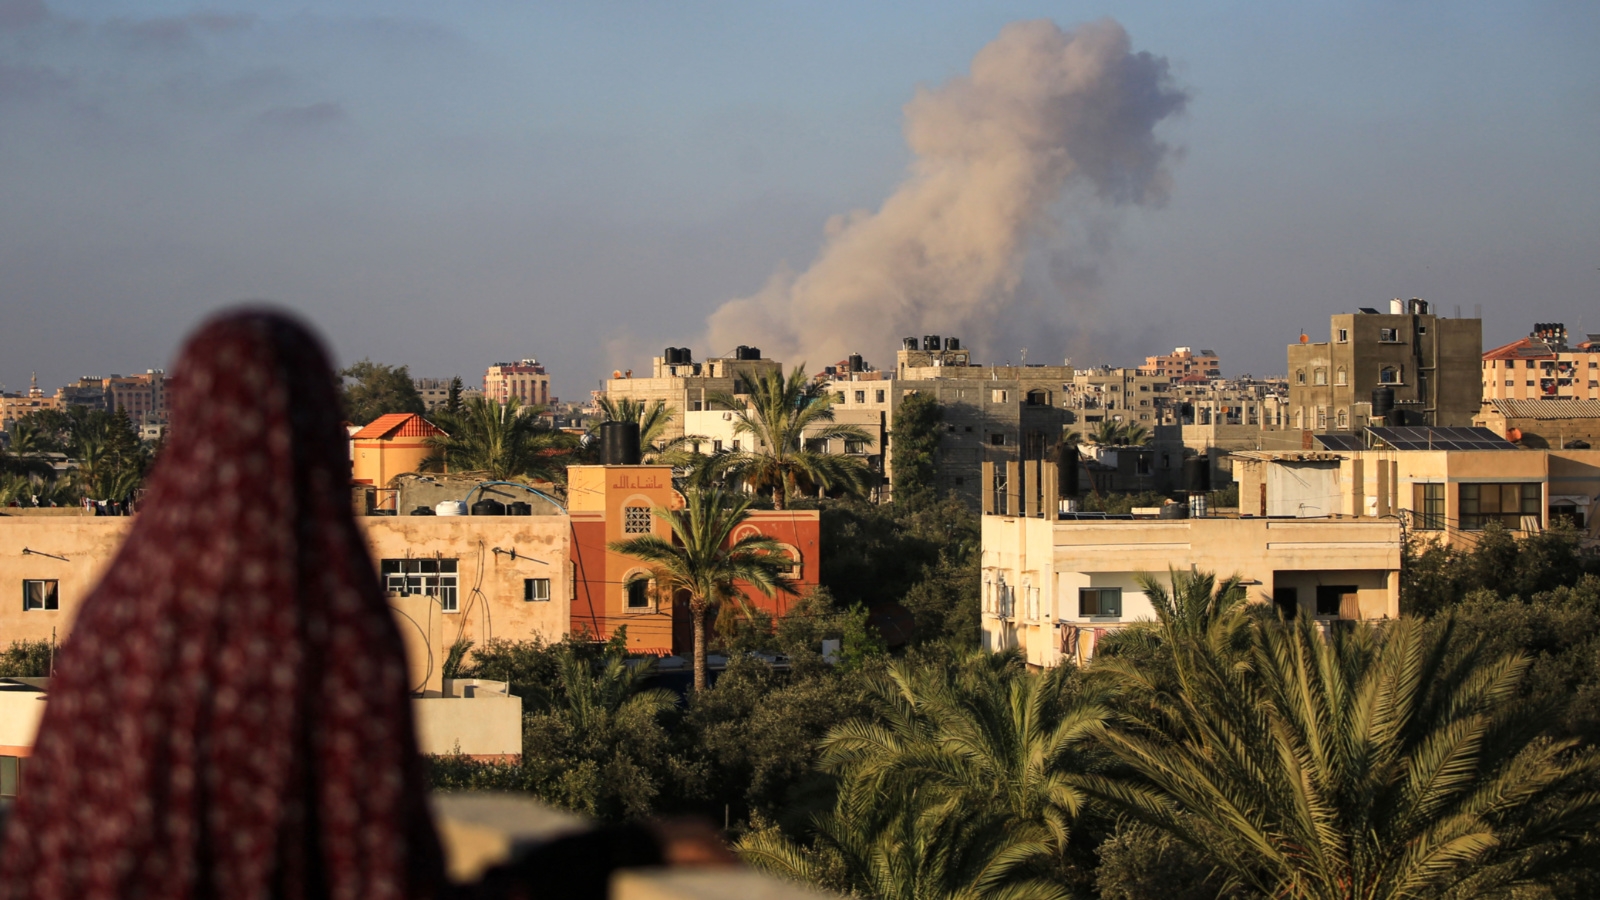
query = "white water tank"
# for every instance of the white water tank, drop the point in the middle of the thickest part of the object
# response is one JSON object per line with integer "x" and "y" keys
{"x": 451, "y": 508}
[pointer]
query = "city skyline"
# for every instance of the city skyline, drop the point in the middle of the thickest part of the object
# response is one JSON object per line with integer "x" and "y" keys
{"x": 443, "y": 189}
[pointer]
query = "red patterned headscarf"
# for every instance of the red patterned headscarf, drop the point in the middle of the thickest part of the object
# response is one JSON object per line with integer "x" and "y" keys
{"x": 230, "y": 715}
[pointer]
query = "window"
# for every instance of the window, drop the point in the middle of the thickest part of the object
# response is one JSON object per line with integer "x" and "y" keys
{"x": 1337, "y": 600}
{"x": 535, "y": 590}
{"x": 1527, "y": 364}
{"x": 1340, "y": 377}
{"x": 427, "y": 577}
{"x": 817, "y": 445}
{"x": 999, "y": 396}
{"x": 1389, "y": 335}
{"x": 855, "y": 446}
{"x": 716, "y": 446}
{"x": 1287, "y": 600}
{"x": 1427, "y": 503}
{"x": 878, "y": 396}
{"x": 1321, "y": 376}
{"x": 861, "y": 396}
{"x": 41, "y": 594}
{"x": 1344, "y": 420}
{"x": 636, "y": 520}
{"x": 839, "y": 397}
{"x": 1502, "y": 503}
{"x": 1510, "y": 383}
{"x": 1099, "y": 601}
{"x": 1300, "y": 376}
{"x": 1389, "y": 375}
{"x": 1344, "y": 335}
{"x": 998, "y": 440}
{"x": 639, "y": 594}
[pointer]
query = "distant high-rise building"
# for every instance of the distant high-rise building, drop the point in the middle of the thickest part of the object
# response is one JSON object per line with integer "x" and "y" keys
{"x": 1183, "y": 362}
{"x": 1542, "y": 367}
{"x": 525, "y": 379}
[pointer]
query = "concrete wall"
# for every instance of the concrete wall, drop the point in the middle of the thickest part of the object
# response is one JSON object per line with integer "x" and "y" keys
{"x": 20, "y": 710}
{"x": 1034, "y": 568}
{"x": 485, "y": 726}
{"x": 494, "y": 609}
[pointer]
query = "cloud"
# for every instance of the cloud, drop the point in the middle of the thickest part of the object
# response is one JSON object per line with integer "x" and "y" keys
{"x": 1044, "y": 115}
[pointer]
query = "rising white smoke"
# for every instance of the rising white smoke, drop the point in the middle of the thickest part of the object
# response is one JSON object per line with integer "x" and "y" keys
{"x": 1043, "y": 113}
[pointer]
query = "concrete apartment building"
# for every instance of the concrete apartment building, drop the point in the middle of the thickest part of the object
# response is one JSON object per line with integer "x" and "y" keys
{"x": 1446, "y": 496}
{"x": 15, "y": 406}
{"x": 1542, "y": 366}
{"x": 435, "y": 392}
{"x": 686, "y": 386}
{"x": 1431, "y": 363}
{"x": 1054, "y": 585}
{"x": 1123, "y": 395}
{"x": 1183, "y": 362}
{"x": 525, "y": 380}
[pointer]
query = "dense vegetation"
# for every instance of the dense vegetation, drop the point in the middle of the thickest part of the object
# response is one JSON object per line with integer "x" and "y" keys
{"x": 1217, "y": 753}
{"x": 111, "y": 457}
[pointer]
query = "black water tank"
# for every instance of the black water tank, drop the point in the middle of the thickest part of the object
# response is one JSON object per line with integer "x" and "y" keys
{"x": 739, "y": 351}
{"x": 931, "y": 342}
{"x": 1067, "y": 470}
{"x": 1197, "y": 474}
{"x": 952, "y": 343}
{"x": 519, "y": 508}
{"x": 752, "y": 352}
{"x": 669, "y": 355}
{"x": 619, "y": 443}
{"x": 856, "y": 363}
{"x": 488, "y": 507}
{"x": 1383, "y": 404}
{"x": 423, "y": 511}
{"x": 909, "y": 343}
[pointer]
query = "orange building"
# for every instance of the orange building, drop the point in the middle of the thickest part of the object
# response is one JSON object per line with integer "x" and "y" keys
{"x": 614, "y": 503}
{"x": 391, "y": 445}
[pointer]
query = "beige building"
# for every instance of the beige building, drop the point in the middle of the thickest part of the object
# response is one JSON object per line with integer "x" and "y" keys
{"x": 448, "y": 577}
{"x": 1431, "y": 364}
{"x": 1055, "y": 586}
{"x": 687, "y": 386}
{"x": 525, "y": 380}
{"x": 1444, "y": 495}
{"x": 15, "y": 406}
{"x": 1553, "y": 424}
{"x": 435, "y": 392}
{"x": 1183, "y": 362}
{"x": 1542, "y": 367}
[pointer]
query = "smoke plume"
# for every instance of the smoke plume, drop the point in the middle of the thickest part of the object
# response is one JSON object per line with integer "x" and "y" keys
{"x": 1044, "y": 115}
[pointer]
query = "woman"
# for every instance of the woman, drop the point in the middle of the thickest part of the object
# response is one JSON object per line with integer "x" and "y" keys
{"x": 230, "y": 717}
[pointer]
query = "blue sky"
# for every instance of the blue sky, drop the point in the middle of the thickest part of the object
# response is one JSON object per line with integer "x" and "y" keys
{"x": 445, "y": 185}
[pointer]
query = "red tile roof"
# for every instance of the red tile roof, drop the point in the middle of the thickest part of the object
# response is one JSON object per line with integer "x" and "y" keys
{"x": 397, "y": 425}
{"x": 1525, "y": 348}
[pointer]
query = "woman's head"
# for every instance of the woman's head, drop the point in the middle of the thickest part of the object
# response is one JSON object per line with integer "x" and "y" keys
{"x": 230, "y": 714}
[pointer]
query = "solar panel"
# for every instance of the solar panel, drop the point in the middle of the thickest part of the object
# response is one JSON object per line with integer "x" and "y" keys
{"x": 1421, "y": 437}
{"x": 1340, "y": 441}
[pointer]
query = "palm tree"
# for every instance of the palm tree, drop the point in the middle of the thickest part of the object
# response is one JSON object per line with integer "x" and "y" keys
{"x": 704, "y": 563}
{"x": 1134, "y": 435}
{"x": 782, "y": 416}
{"x": 960, "y": 786}
{"x": 1107, "y": 433}
{"x": 1366, "y": 762}
{"x": 499, "y": 442}
{"x": 935, "y": 851}
{"x": 653, "y": 419}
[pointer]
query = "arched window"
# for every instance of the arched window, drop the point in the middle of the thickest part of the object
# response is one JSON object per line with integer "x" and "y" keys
{"x": 1344, "y": 420}
{"x": 1322, "y": 376}
{"x": 1340, "y": 377}
{"x": 638, "y": 591}
{"x": 1300, "y": 376}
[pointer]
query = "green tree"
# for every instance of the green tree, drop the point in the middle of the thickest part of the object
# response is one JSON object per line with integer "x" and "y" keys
{"x": 498, "y": 442}
{"x": 960, "y": 785}
{"x": 374, "y": 389}
{"x": 782, "y": 415}
{"x": 1364, "y": 763}
{"x": 914, "y": 445}
{"x": 27, "y": 659}
{"x": 703, "y": 563}
{"x": 452, "y": 399}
